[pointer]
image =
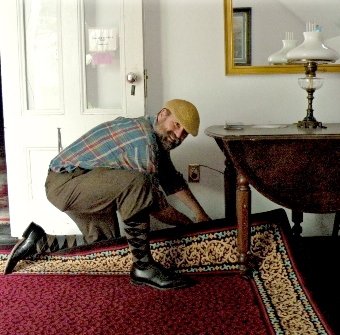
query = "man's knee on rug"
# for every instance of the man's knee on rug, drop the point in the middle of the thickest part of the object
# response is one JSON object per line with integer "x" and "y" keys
{"x": 96, "y": 227}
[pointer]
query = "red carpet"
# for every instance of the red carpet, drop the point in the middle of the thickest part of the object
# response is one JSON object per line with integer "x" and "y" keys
{"x": 85, "y": 290}
{"x": 85, "y": 304}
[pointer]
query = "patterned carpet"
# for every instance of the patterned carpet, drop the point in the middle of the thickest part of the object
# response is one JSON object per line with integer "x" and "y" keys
{"x": 274, "y": 301}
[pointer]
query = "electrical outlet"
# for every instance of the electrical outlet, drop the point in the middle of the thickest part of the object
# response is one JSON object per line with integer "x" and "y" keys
{"x": 194, "y": 173}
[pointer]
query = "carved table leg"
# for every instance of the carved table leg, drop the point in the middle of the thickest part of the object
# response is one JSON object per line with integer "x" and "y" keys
{"x": 336, "y": 224}
{"x": 243, "y": 197}
{"x": 229, "y": 183}
{"x": 230, "y": 189}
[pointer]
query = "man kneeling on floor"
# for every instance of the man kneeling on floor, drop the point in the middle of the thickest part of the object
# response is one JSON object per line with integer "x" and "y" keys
{"x": 119, "y": 166}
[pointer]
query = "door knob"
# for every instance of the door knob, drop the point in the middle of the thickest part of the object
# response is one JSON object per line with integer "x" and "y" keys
{"x": 131, "y": 77}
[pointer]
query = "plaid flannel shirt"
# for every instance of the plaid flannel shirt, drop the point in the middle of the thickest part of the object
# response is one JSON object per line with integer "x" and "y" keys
{"x": 123, "y": 143}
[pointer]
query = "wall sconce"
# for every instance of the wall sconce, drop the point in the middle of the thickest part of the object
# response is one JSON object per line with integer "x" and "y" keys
{"x": 311, "y": 52}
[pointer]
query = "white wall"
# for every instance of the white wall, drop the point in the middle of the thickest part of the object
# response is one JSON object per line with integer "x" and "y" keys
{"x": 184, "y": 43}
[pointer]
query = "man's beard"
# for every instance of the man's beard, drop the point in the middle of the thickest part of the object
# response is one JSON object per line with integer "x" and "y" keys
{"x": 166, "y": 138}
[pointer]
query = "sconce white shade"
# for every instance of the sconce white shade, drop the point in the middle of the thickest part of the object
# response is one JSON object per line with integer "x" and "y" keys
{"x": 312, "y": 49}
{"x": 280, "y": 56}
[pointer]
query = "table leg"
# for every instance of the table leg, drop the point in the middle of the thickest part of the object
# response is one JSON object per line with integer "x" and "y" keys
{"x": 297, "y": 218}
{"x": 229, "y": 184}
{"x": 243, "y": 204}
{"x": 230, "y": 189}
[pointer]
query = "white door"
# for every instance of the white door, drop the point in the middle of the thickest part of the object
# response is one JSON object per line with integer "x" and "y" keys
{"x": 64, "y": 65}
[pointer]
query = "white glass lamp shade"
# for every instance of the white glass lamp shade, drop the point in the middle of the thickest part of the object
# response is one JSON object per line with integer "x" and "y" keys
{"x": 310, "y": 83}
{"x": 280, "y": 56}
{"x": 312, "y": 49}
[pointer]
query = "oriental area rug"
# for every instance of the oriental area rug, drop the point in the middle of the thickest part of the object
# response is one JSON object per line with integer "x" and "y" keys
{"x": 86, "y": 289}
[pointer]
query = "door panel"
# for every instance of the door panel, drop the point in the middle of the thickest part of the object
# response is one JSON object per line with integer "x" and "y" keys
{"x": 53, "y": 90}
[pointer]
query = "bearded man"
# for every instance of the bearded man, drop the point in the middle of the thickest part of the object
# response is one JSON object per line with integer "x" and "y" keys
{"x": 120, "y": 165}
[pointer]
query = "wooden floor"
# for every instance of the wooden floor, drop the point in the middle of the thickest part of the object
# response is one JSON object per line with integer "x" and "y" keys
{"x": 5, "y": 235}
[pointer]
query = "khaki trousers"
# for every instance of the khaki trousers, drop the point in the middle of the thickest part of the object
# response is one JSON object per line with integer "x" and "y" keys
{"x": 92, "y": 197}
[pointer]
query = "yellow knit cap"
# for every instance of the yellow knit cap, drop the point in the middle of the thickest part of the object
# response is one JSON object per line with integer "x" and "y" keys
{"x": 186, "y": 113}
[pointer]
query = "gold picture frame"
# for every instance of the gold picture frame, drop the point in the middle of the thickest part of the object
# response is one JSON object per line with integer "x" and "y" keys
{"x": 242, "y": 35}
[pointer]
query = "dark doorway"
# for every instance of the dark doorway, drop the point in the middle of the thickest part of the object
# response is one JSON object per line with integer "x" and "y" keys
{"x": 2, "y": 138}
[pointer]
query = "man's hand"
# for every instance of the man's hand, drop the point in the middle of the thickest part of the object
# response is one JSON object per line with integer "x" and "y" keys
{"x": 202, "y": 217}
{"x": 191, "y": 202}
{"x": 170, "y": 215}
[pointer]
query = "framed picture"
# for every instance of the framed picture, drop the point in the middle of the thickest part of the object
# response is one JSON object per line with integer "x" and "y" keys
{"x": 242, "y": 35}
